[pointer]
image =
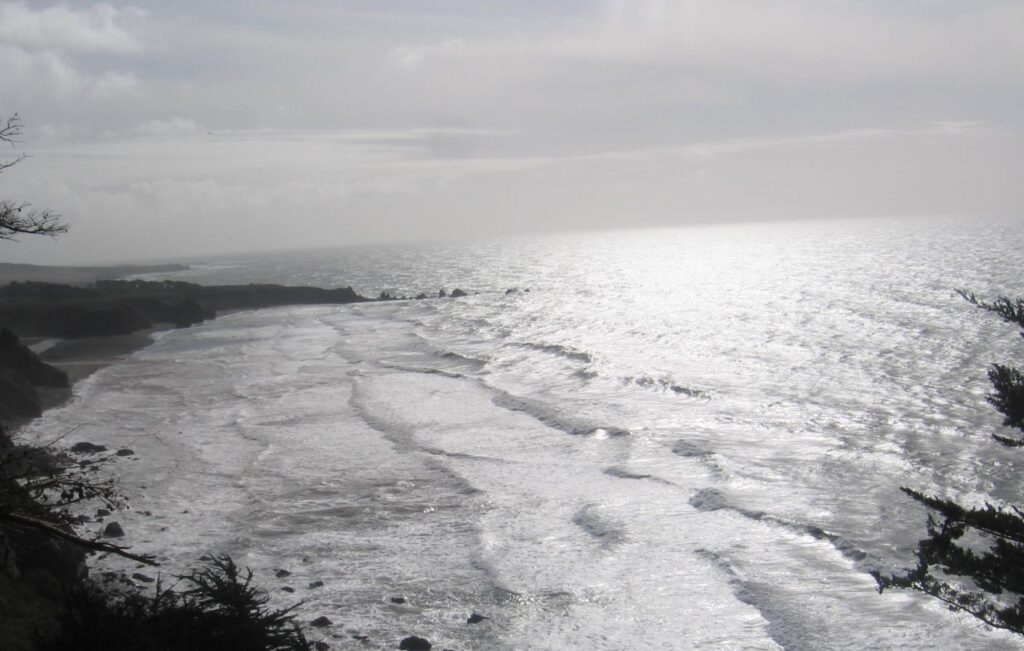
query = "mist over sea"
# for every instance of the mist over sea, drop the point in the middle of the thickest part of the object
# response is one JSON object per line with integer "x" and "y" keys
{"x": 676, "y": 439}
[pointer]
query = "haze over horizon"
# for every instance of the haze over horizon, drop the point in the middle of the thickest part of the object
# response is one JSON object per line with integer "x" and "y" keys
{"x": 167, "y": 131}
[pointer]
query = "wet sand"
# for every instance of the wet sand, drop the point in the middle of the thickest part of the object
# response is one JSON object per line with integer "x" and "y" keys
{"x": 80, "y": 358}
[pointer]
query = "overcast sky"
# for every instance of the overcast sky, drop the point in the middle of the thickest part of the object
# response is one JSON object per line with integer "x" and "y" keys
{"x": 163, "y": 129}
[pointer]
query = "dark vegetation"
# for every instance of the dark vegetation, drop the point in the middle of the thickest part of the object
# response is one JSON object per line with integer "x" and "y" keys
{"x": 46, "y": 601}
{"x": 118, "y": 307}
{"x": 973, "y": 558}
{"x": 218, "y": 608}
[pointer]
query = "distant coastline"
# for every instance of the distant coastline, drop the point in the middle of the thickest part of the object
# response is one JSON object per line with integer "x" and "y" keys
{"x": 12, "y": 272}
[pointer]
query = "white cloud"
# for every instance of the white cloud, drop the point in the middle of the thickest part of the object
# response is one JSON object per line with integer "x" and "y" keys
{"x": 62, "y": 28}
{"x": 795, "y": 40}
{"x": 114, "y": 84}
{"x": 410, "y": 57}
{"x": 164, "y": 128}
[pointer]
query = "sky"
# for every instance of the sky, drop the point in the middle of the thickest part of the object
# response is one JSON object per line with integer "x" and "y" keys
{"x": 166, "y": 130}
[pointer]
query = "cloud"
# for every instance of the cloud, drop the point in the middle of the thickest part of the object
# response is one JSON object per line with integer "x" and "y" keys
{"x": 51, "y": 55}
{"x": 410, "y": 57}
{"x": 803, "y": 39}
{"x": 61, "y": 28}
{"x": 163, "y": 128}
{"x": 114, "y": 84}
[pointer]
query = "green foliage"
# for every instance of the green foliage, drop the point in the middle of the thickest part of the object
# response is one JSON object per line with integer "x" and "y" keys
{"x": 220, "y": 610}
{"x": 973, "y": 558}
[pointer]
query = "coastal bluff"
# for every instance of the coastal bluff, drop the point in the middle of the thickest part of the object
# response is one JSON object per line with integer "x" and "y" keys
{"x": 120, "y": 307}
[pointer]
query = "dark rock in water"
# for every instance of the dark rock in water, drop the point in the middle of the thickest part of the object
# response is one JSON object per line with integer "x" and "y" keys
{"x": 442, "y": 294}
{"x": 413, "y": 643}
{"x": 321, "y": 646}
{"x": 87, "y": 448}
{"x": 113, "y": 530}
{"x": 420, "y": 296}
{"x": 282, "y": 573}
{"x": 458, "y": 293}
{"x": 398, "y": 600}
{"x": 125, "y": 452}
{"x": 709, "y": 499}
{"x": 287, "y": 589}
{"x": 475, "y": 618}
{"x": 138, "y": 576}
{"x": 316, "y": 584}
{"x": 361, "y": 638}
{"x": 321, "y": 622}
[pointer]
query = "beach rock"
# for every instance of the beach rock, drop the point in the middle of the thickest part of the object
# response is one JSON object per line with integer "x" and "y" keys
{"x": 475, "y": 618}
{"x": 316, "y": 584}
{"x": 287, "y": 589}
{"x": 420, "y": 296}
{"x": 113, "y": 530}
{"x": 321, "y": 646}
{"x": 511, "y": 290}
{"x": 87, "y": 448}
{"x": 125, "y": 452}
{"x": 282, "y": 573}
{"x": 138, "y": 576}
{"x": 398, "y": 600}
{"x": 458, "y": 293}
{"x": 442, "y": 294}
{"x": 321, "y": 622}
{"x": 102, "y": 513}
{"x": 413, "y": 643}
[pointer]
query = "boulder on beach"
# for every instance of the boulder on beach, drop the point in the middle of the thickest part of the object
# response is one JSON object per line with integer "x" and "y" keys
{"x": 458, "y": 293}
{"x": 85, "y": 447}
{"x": 321, "y": 622}
{"x": 413, "y": 643}
{"x": 113, "y": 530}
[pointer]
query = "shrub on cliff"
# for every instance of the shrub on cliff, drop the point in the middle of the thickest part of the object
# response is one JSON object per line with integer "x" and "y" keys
{"x": 973, "y": 558}
{"x": 219, "y": 609}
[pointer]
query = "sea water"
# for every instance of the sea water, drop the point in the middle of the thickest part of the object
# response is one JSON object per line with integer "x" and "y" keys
{"x": 688, "y": 438}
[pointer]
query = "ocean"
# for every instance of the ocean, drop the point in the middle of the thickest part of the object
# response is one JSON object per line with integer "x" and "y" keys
{"x": 688, "y": 438}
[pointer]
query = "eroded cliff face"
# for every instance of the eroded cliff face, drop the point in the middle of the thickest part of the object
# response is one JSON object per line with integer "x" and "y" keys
{"x": 36, "y": 570}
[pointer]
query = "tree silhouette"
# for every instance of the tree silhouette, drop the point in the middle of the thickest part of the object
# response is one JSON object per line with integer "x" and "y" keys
{"x": 19, "y": 218}
{"x": 973, "y": 558}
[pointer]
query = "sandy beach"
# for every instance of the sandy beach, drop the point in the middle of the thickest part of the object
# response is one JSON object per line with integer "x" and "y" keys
{"x": 80, "y": 358}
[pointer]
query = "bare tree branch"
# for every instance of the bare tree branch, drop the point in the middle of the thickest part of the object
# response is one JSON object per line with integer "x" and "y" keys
{"x": 19, "y": 218}
{"x": 56, "y": 532}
